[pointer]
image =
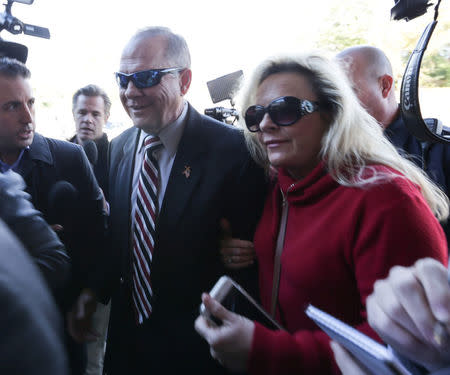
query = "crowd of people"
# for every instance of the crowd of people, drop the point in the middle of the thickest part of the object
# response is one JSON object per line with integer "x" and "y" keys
{"x": 320, "y": 196}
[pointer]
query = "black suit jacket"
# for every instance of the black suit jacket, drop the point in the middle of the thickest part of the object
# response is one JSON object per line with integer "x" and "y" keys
{"x": 224, "y": 182}
{"x": 46, "y": 162}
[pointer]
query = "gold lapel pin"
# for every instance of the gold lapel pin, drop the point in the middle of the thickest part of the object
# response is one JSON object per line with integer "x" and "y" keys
{"x": 187, "y": 171}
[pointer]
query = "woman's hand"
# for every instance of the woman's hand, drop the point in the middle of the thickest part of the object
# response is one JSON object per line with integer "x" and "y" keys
{"x": 235, "y": 253}
{"x": 231, "y": 342}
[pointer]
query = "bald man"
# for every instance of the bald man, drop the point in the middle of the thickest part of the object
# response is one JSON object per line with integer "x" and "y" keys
{"x": 370, "y": 72}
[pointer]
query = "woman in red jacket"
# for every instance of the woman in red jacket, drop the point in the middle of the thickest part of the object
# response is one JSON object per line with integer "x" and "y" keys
{"x": 354, "y": 209}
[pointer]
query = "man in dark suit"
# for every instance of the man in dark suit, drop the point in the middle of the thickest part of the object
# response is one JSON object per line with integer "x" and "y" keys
{"x": 31, "y": 340}
{"x": 204, "y": 173}
{"x": 75, "y": 207}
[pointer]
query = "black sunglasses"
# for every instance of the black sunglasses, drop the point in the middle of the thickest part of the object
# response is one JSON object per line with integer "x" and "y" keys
{"x": 145, "y": 78}
{"x": 283, "y": 111}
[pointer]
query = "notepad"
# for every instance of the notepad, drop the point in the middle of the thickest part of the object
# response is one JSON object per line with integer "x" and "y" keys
{"x": 371, "y": 355}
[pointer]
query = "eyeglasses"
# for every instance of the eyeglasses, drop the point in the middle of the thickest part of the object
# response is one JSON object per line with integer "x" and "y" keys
{"x": 145, "y": 78}
{"x": 283, "y": 111}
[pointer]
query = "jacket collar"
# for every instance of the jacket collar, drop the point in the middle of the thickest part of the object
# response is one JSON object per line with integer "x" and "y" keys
{"x": 315, "y": 185}
{"x": 39, "y": 150}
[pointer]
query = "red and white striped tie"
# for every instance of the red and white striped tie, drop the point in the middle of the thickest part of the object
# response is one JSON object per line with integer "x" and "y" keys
{"x": 145, "y": 214}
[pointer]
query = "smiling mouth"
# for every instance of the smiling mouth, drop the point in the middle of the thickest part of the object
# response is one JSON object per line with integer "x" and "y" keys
{"x": 273, "y": 143}
{"x": 138, "y": 107}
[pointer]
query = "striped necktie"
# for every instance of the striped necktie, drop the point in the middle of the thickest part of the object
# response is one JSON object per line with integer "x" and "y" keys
{"x": 145, "y": 214}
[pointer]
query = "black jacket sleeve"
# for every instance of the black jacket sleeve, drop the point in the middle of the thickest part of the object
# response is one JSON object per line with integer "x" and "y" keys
{"x": 27, "y": 224}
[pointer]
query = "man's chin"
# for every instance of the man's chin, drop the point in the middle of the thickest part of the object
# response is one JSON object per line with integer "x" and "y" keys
{"x": 24, "y": 143}
{"x": 146, "y": 127}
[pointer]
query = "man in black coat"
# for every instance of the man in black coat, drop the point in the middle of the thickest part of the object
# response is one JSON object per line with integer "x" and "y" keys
{"x": 91, "y": 108}
{"x": 59, "y": 179}
{"x": 205, "y": 174}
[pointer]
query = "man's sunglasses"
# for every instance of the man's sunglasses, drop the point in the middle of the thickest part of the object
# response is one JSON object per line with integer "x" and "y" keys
{"x": 283, "y": 111}
{"x": 145, "y": 78}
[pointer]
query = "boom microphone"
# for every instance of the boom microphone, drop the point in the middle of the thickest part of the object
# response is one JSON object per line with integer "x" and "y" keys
{"x": 62, "y": 204}
{"x": 220, "y": 112}
{"x": 90, "y": 148}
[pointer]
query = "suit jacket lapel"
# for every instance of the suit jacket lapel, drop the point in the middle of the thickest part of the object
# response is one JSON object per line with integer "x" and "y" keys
{"x": 125, "y": 179}
{"x": 187, "y": 172}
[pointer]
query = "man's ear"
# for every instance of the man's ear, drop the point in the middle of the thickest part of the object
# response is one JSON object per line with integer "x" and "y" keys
{"x": 386, "y": 83}
{"x": 185, "y": 81}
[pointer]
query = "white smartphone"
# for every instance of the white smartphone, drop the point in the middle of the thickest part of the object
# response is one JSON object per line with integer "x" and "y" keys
{"x": 235, "y": 298}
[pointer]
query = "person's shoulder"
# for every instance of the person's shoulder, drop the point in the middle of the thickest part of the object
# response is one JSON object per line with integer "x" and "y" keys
{"x": 218, "y": 135}
{"x": 123, "y": 137}
{"x": 51, "y": 149}
{"x": 388, "y": 183}
{"x": 59, "y": 144}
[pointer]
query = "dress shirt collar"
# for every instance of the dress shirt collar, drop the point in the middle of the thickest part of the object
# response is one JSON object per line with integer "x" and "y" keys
{"x": 170, "y": 135}
{"x": 4, "y": 167}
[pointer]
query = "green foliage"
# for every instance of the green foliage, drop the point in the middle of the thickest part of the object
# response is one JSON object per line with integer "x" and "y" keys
{"x": 435, "y": 70}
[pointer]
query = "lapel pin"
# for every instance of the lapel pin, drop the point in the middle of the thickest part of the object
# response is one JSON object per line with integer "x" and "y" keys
{"x": 187, "y": 171}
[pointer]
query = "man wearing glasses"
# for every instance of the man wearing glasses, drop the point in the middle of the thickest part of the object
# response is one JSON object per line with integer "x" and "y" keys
{"x": 172, "y": 178}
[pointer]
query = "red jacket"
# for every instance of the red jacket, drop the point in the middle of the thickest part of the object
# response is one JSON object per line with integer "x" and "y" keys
{"x": 339, "y": 241}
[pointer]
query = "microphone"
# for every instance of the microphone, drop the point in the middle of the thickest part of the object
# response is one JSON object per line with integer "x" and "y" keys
{"x": 91, "y": 151}
{"x": 63, "y": 204}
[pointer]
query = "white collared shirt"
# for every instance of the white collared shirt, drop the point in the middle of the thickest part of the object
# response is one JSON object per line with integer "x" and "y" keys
{"x": 170, "y": 137}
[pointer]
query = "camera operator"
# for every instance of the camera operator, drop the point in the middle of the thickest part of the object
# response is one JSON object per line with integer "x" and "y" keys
{"x": 370, "y": 71}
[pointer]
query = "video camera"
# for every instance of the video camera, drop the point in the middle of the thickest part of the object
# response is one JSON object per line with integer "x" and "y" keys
{"x": 220, "y": 89}
{"x": 15, "y": 26}
{"x": 12, "y": 24}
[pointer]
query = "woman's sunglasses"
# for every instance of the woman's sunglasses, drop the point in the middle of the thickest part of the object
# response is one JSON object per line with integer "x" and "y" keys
{"x": 283, "y": 111}
{"x": 145, "y": 78}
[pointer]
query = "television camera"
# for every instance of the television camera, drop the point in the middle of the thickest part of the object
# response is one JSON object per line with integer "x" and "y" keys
{"x": 15, "y": 26}
{"x": 224, "y": 88}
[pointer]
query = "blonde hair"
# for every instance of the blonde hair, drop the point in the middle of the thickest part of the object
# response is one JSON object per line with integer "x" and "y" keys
{"x": 354, "y": 141}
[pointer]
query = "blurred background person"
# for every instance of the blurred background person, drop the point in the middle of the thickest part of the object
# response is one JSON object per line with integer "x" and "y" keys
{"x": 344, "y": 208}
{"x": 370, "y": 72}
{"x": 91, "y": 107}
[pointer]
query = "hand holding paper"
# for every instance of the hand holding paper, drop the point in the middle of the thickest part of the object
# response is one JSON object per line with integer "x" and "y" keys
{"x": 406, "y": 308}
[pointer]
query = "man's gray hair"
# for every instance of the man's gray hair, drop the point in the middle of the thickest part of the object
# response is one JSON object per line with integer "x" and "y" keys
{"x": 177, "y": 51}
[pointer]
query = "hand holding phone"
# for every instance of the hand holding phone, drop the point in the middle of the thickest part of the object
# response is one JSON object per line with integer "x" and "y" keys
{"x": 233, "y": 297}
